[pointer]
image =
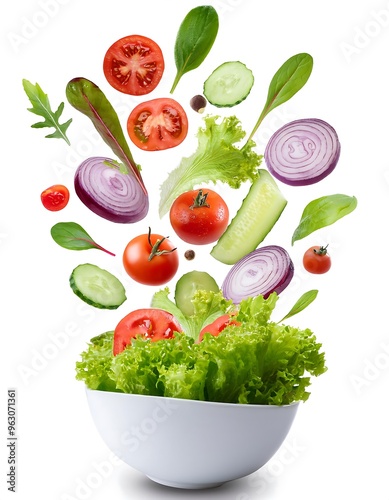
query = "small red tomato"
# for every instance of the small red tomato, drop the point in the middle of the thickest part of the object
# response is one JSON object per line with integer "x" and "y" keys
{"x": 316, "y": 260}
{"x": 199, "y": 217}
{"x": 55, "y": 198}
{"x": 150, "y": 259}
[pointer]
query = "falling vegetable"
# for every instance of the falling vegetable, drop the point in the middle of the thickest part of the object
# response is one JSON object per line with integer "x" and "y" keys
{"x": 72, "y": 236}
{"x": 287, "y": 81}
{"x": 217, "y": 158}
{"x": 41, "y": 106}
{"x": 261, "y": 272}
{"x": 301, "y": 304}
{"x": 303, "y": 152}
{"x": 195, "y": 38}
{"x": 108, "y": 192}
{"x": 87, "y": 98}
{"x": 323, "y": 212}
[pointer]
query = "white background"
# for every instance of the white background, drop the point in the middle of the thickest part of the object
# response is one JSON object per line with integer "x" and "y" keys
{"x": 338, "y": 444}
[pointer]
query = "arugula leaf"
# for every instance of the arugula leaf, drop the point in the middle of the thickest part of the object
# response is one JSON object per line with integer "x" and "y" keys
{"x": 87, "y": 98}
{"x": 41, "y": 106}
{"x": 303, "y": 302}
{"x": 286, "y": 82}
{"x": 323, "y": 212}
{"x": 194, "y": 40}
{"x": 215, "y": 159}
{"x": 72, "y": 236}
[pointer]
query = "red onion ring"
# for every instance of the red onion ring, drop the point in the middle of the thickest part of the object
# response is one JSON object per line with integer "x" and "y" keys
{"x": 303, "y": 152}
{"x": 108, "y": 192}
{"x": 261, "y": 272}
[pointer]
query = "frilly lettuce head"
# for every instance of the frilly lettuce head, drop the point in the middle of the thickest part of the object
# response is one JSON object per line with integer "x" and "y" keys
{"x": 258, "y": 362}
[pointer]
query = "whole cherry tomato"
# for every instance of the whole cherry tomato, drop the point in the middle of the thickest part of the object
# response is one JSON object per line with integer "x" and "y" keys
{"x": 150, "y": 259}
{"x": 316, "y": 260}
{"x": 199, "y": 216}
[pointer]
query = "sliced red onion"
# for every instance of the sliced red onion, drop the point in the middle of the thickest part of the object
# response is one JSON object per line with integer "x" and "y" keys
{"x": 108, "y": 192}
{"x": 261, "y": 272}
{"x": 303, "y": 152}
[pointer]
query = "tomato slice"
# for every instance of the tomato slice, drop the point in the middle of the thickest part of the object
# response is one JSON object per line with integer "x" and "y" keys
{"x": 55, "y": 198}
{"x": 157, "y": 124}
{"x": 134, "y": 65}
{"x": 218, "y": 325}
{"x": 154, "y": 324}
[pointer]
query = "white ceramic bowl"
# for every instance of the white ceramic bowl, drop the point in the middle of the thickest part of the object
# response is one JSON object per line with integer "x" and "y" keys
{"x": 189, "y": 444}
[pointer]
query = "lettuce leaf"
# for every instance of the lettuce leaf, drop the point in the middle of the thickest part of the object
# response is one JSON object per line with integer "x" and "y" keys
{"x": 216, "y": 159}
{"x": 207, "y": 307}
{"x": 258, "y": 362}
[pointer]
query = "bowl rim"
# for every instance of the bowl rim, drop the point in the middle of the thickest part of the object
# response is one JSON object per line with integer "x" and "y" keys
{"x": 192, "y": 401}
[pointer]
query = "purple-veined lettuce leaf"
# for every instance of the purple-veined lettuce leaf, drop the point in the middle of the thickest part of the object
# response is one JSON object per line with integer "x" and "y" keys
{"x": 87, "y": 98}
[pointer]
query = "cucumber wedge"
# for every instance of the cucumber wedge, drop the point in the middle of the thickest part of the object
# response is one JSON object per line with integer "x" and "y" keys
{"x": 257, "y": 215}
{"x": 97, "y": 287}
{"x": 229, "y": 84}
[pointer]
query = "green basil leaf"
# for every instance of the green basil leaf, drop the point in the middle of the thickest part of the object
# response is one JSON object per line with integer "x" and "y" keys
{"x": 194, "y": 40}
{"x": 287, "y": 81}
{"x": 303, "y": 302}
{"x": 72, "y": 236}
{"x": 323, "y": 212}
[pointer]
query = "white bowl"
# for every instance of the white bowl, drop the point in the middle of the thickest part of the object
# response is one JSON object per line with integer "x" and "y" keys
{"x": 189, "y": 444}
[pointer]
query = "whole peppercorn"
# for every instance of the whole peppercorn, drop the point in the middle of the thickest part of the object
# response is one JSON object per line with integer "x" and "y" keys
{"x": 198, "y": 103}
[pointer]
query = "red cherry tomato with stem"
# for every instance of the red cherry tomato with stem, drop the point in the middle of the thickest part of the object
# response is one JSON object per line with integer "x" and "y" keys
{"x": 150, "y": 259}
{"x": 157, "y": 124}
{"x": 316, "y": 260}
{"x": 153, "y": 324}
{"x": 134, "y": 65}
{"x": 55, "y": 198}
{"x": 199, "y": 216}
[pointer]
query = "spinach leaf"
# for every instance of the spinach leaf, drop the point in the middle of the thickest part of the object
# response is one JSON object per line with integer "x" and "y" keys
{"x": 286, "y": 82}
{"x": 303, "y": 302}
{"x": 87, "y": 98}
{"x": 72, "y": 236}
{"x": 323, "y": 212}
{"x": 41, "y": 106}
{"x": 194, "y": 40}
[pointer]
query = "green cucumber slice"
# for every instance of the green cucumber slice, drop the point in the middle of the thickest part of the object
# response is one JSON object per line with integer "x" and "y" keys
{"x": 187, "y": 286}
{"x": 229, "y": 84}
{"x": 97, "y": 287}
{"x": 257, "y": 215}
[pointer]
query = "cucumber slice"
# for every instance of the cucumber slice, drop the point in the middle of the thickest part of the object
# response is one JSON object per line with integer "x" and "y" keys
{"x": 97, "y": 287}
{"x": 229, "y": 84}
{"x": 257, "y": 215}
{"x": 188, "y": 285}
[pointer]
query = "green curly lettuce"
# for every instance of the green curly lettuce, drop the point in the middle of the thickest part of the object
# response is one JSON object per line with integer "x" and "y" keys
{"x": 258, "y": 362}
{"x": 217, "y": 158}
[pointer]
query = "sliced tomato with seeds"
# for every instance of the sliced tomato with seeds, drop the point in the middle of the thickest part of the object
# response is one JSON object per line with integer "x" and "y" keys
{"x": 134, "y": 65}
{"x": 217, "y": 326}
{"x": 157, "y": 124}
{"x": 55, "y": 197}
{"x": 154, "y": 324}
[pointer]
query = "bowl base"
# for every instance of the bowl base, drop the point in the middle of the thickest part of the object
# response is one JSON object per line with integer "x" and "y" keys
{"x": 185, "y": 486}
